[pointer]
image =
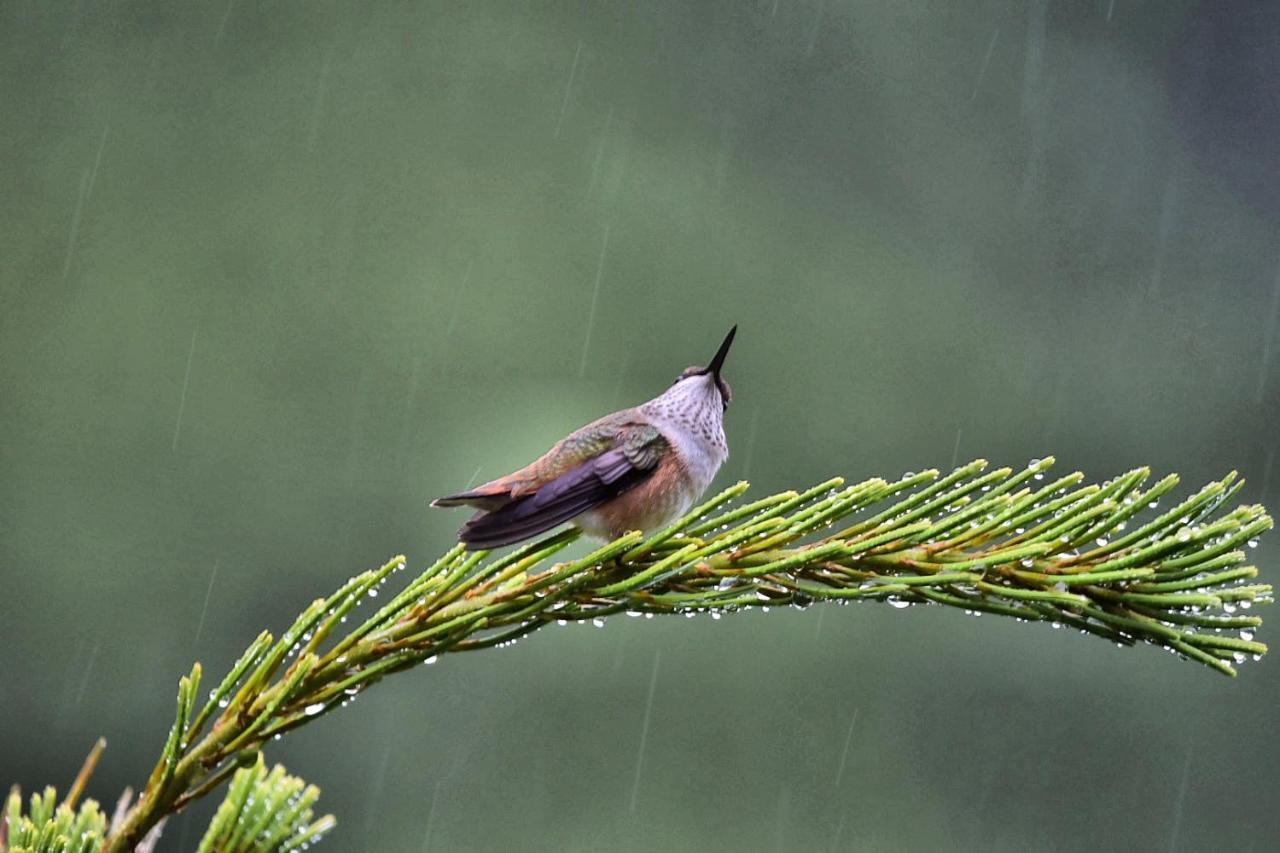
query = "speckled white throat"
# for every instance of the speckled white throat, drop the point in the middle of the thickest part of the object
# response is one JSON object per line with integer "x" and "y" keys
{"x": 690, "y": 415}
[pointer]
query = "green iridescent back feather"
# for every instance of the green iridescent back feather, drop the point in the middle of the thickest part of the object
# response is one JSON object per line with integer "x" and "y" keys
{"x": 642, "y": 443}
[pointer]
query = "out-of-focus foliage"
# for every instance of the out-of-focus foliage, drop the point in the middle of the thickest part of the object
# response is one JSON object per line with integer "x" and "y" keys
{"x": 49, "y": 826}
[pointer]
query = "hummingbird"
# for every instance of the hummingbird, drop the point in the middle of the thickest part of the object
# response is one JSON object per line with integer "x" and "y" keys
{"x": 634, "y": 469}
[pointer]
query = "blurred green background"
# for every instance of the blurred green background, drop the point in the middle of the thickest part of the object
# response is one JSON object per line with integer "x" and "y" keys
{"x": 273, "y": 275}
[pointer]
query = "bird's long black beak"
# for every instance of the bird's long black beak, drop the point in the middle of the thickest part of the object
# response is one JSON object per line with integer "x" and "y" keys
{"x": 716, "y": 363}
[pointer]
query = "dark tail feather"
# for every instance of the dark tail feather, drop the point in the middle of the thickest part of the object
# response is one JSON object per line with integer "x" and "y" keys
{"x": 508, "y": 525}
{"x": 460, "y": 499}
{"x": 505, "y": 521}
{"x": 555, "y": 503}
{"x": 479, "y": 500}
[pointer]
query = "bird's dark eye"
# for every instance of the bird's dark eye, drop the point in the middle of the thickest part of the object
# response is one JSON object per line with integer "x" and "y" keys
{"x": 726, "y": 393}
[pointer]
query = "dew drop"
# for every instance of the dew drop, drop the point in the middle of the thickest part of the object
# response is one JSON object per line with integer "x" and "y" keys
{"x": 312, "y": 710}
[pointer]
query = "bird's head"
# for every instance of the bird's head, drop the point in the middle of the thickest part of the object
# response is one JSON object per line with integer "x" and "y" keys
{"x": 701, "y": 383}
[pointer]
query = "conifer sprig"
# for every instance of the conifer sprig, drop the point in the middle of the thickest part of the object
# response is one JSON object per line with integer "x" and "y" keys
{"x": 1097, "y": 557}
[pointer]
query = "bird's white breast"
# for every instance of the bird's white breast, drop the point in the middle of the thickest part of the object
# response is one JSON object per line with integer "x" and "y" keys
{"x": 697, "y": 437}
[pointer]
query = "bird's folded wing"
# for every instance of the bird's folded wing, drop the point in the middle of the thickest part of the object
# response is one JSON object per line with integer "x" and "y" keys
{"x": 633, "y": 457}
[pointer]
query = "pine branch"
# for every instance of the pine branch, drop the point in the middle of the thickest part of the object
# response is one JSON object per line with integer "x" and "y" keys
{"x": 1094, "y": 557}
